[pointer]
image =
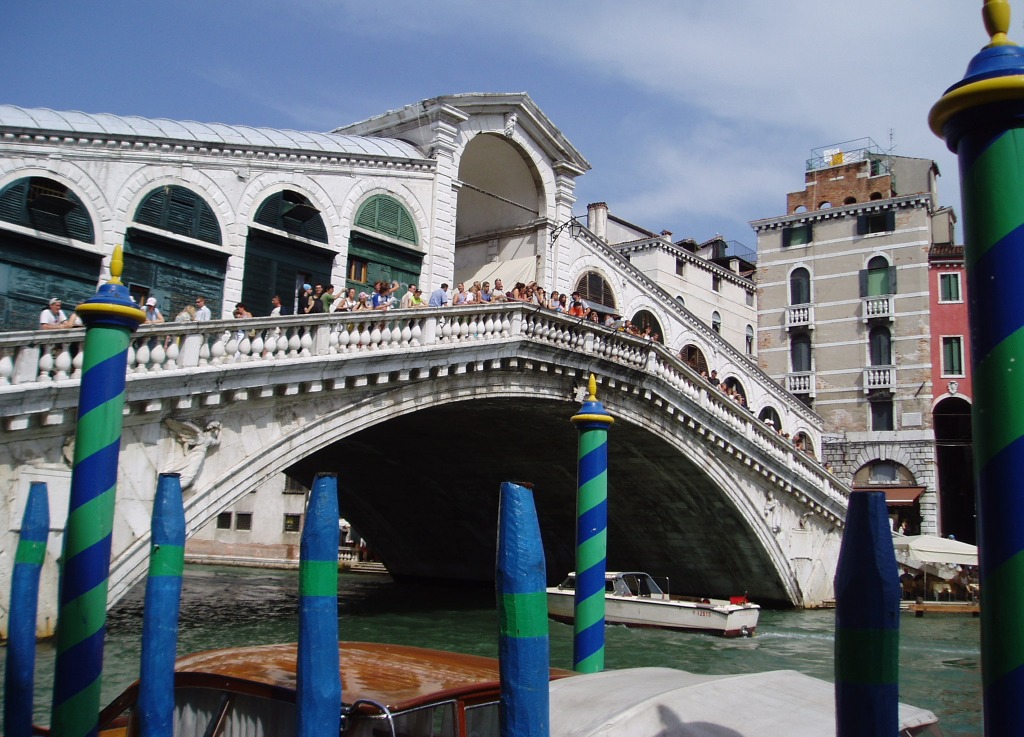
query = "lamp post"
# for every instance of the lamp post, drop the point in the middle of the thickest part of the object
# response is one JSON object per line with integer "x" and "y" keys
{"x": 574, "y": 226}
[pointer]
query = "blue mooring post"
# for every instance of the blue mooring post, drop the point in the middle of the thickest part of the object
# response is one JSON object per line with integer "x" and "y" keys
{"x": 160, "y": 616}
{"x": 867, "y": 622}
{"x": 523, "y": 651}
{"x": 318, "y": 681}
{"x": 19, "y": 670}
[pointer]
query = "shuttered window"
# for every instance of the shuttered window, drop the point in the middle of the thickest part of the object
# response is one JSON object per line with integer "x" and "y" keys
{"x": 48, "y": 206}
{"x": 384, "y": 214}
{"x": 180, "y": 211}
{"x": 291, "y": 212}
{"x": 594, "y": 289}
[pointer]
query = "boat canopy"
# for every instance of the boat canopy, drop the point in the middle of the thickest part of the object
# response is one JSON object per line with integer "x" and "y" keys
{"x": 645, "y": 702}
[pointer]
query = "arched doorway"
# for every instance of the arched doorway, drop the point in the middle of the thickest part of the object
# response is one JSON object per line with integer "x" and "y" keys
{"x": 648, "y": 325}
{"x": 277, "y": 264}
{"x": 499, "y": 227}
{"x": 597, "y": 293}
{"x": 954, "y": 451}
{"x": 770, "y": 417}
{"x": 902, "y": 492}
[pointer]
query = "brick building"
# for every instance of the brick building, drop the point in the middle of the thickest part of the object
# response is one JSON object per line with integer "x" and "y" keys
{"x": 853, "y": 319}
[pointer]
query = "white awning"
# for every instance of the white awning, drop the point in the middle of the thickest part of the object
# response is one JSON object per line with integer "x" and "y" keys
{"x": 932, "y": 549}
{"x": 511, "y": 271}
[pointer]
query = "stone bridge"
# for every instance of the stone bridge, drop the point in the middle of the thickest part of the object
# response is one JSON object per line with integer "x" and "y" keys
{"x": 423, "y": 413}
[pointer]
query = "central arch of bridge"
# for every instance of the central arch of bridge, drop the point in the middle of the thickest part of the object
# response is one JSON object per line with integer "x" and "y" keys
{"x": 419, "y": 480}
{"x": 422, "y": 488}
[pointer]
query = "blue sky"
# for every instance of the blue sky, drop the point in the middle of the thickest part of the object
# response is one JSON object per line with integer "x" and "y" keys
{"x": 697, "y": 116}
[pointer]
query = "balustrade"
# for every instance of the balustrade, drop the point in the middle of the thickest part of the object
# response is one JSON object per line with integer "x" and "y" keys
{"x": 877, "y": 308}
{"x": 46, "y": 357}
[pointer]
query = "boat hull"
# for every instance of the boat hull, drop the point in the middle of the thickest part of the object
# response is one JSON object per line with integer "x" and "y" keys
{"x": 728, "y": 620}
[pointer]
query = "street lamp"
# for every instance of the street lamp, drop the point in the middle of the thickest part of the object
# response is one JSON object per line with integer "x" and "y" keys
{"x": 575, "y": 229}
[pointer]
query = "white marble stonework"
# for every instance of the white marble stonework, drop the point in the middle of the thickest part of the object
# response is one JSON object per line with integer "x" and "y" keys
{"x": 305, "y": 382}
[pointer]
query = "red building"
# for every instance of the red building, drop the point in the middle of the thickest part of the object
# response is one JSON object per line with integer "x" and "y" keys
{"x": 951, "y": 390}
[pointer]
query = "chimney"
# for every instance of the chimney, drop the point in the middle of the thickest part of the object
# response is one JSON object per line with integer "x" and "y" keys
{"x": 734, "y": 265}
{"x": 597, "y": 220}
{"x": 667, "y": 235}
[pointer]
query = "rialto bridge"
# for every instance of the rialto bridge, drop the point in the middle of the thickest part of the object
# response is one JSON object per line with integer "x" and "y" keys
{"x": 422, "y": 414}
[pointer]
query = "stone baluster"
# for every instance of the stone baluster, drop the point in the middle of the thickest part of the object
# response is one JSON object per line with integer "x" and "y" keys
{"x": 6, "y": 369}
{"x": 365, "y": 336}
{"x": 62, "y": 363}
{"x": 173, "y": 351}
{"x": 158, "y": 355}
{"x": 306, "y": 342}
{"x": 142, "y": 356}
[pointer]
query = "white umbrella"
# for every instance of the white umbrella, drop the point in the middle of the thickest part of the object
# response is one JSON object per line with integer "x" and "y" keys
{"x": 932, "y": 549}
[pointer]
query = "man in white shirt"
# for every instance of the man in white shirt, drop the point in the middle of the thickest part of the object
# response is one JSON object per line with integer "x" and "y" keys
{"x": 275, "y": 305}
{"x": 408, "y": 297}
{"x": 53, "y": 317}
{"x": 202, "y": 311}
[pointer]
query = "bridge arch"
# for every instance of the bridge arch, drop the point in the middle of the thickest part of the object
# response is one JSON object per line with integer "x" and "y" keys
{"x": 655, "y": 466}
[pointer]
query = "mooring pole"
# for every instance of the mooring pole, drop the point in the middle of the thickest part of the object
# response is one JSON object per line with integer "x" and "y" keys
{"x": 592, "y": 422}
{"x": 318, "y": 681}
{"x": 110, "y": 317}
{"x": 981, "y": 118}
{"x": 867, "y": 649}
{"x": 160, "y": 613}
{"x": 19, "y": 670}
{"x": 523, "y": 648}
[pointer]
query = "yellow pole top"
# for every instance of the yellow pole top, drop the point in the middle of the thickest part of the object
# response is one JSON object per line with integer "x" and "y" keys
{"x": 116, "y": 264}
{"x": 592, "y": 385}
{"x": 996, "y": 14}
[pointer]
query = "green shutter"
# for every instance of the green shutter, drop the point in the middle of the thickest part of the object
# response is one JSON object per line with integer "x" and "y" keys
{"x": 16, "y": 207}
{"x": 384, "y": 214}
{"x": 180, "y": 211}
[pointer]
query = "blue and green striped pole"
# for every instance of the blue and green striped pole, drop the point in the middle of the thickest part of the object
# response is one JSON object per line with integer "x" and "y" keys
{"x": 318, "y": 681}
{"x": 110, "y": 317}
{"x": 19, "y": 670}
{"x": 981, "y": 119}
{"x": 592, "y": 422}
{"x": 160, "y": 615}
{"x": 523, "y": 651}
{"x": 867, "y": 647}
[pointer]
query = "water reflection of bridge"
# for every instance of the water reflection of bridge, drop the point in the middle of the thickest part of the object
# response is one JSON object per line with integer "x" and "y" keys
{"x": 423, "y": 413}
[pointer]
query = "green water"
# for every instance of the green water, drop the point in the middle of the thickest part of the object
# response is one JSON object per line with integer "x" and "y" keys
{"x": 223, "y": 607}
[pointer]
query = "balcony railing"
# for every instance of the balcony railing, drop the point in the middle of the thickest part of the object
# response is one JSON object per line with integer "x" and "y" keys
{"x": 879, "y": 377}
{"x": 800, "y": 316}
{"x": 877, "y": 308}
{"x": 800, "y": 383}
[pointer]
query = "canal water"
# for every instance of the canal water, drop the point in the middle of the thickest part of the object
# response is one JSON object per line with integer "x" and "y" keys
{"x": 222, "y": 607}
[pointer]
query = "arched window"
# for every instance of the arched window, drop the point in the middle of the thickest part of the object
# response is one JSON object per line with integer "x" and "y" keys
{"x": 850, "y": 201}
{"x": 596, "y": 291}
{"x": 880, "y": 346}
{"x": 293, "y": 213}
{"x": 800, "y": 353}
{"x": 750, "y": 340}
{"x": 680, "y": 300}
{"x": 716, "y": 322}
{"x": 180, "y": 211}
{"x": 693, "y": 357}
{"x": 48, "y": 206}
{"x": 385, "y": 214}
{"x": 800, "y": 287}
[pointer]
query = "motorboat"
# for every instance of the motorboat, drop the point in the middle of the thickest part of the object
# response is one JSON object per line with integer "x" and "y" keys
{"x": 647, "y": 702}
{"x": 387, "y": 690}
{"x": 634, "y": 599}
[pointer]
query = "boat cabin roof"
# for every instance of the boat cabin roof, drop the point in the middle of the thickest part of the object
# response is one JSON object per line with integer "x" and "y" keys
{"x": 397, "y": 676}
{"x": 644, "y": 702}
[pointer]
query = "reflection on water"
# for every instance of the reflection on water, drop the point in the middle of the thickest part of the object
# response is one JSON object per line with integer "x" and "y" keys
{"x": 224, "y": 607}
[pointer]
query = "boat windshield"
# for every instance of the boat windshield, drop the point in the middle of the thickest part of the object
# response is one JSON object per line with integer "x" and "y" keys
{"x": 638, "y": 584}
{"x": 435, "y": 720}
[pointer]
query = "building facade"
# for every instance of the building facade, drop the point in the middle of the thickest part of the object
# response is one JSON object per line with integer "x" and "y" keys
{"x": 860, "y": 299}
{"x": 712, "y": 280}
